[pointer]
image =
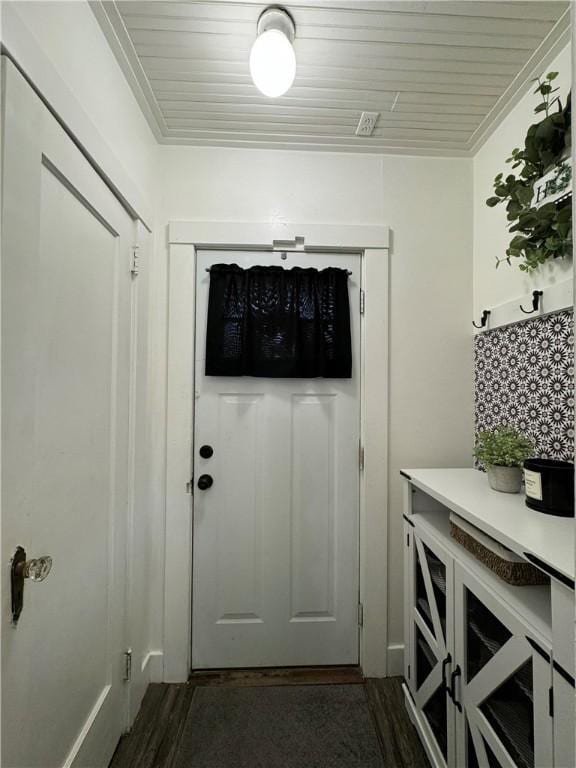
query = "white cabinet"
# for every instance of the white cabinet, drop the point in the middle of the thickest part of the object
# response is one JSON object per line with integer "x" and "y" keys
{"x": 480, "y": 681}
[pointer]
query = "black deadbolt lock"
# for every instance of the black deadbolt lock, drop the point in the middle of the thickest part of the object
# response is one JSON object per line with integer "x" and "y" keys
{"x": 205, "y": 482}
{"x": 206, "y": 451}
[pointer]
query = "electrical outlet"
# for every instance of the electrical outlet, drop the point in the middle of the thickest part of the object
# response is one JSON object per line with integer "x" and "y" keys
{"x": 367, "y": 123}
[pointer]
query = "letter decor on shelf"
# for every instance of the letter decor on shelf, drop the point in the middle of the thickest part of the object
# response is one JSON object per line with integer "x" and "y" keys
{"x": 554, "y": 186}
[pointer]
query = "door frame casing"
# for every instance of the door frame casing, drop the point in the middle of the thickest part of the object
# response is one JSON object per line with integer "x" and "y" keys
{"x": 372, "y": 243}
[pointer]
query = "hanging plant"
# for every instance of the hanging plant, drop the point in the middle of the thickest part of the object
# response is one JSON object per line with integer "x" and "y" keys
{"x": 542, "y": 230}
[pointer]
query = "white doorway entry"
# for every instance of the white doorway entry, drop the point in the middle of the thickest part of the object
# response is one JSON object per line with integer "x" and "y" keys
{"x": 66, "y": 352}
{"x": 276, "y": 535}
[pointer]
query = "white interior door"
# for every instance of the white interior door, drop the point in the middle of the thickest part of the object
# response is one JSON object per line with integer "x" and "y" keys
{"x": 275, "y": 578}
{"x": 65, "y": 393}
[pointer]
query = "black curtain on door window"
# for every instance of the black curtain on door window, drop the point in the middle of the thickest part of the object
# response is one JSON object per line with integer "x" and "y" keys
{"x": 281, "y": 323}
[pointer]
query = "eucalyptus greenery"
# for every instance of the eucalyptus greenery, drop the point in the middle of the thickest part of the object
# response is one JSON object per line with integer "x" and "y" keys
{"x": 545, "y": 232}
{"x": 504, "y": 446}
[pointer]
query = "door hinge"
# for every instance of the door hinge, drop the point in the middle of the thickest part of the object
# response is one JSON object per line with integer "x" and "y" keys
{"x": 361, "y": 457}
{"x": 190, "y": 485}
{"x": 360, "y": 615}
{"x": 128, "y": 665}
{"x": 362, "y": 301}
{"x": 135, "y": 268}
{"x": 551, "y": 702}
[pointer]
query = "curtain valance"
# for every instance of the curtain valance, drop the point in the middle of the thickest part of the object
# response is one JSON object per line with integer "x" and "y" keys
{"x": 275, "y": 322}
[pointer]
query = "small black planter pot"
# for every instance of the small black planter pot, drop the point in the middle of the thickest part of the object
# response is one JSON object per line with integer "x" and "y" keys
{"x": 550, "y": 486}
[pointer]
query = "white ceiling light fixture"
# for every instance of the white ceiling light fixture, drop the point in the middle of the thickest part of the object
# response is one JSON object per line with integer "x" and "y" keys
{"x": 272, "y": 58}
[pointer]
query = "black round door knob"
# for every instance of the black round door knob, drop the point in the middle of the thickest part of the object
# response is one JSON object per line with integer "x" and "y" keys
{"x": 206, "y": 451}
{"x": 205, "y": 482}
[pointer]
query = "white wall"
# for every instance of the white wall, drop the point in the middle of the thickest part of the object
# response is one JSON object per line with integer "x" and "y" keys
{"x": 427, "y": 202}
{"x": 491, "y": 237}
{"x": 431, "y": 413}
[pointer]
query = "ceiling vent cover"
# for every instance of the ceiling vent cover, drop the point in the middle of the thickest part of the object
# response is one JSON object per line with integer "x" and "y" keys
{"x": 367, "y": 123}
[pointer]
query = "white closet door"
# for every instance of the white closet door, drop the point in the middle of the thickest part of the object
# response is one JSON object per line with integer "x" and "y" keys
{"x": 276, "y": 536}
{"x": 65, "y": 418}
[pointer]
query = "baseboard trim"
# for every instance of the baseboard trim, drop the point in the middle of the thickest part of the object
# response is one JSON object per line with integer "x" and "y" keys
{"x": 95, "y": 738}
{"x": 153, "y": 663}
{"x": 395, "y": 660}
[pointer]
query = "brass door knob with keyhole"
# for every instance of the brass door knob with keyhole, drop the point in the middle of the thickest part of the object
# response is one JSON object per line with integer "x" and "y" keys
{"x": 36, "y": 569}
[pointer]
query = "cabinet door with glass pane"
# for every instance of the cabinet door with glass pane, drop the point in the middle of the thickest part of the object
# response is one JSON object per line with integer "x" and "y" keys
{"x": 431, "y": 640}
{"x": 503, "y": 682}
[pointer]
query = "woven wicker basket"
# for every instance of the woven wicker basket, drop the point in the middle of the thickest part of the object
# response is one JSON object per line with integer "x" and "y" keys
{"x": 518, "y": 574}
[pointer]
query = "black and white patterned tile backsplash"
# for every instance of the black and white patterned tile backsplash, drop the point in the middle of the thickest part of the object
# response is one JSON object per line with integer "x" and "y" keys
{"x": 524, "y": 376}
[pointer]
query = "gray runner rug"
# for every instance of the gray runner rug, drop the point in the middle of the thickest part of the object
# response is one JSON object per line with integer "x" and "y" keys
{"x": 300, "y": 726}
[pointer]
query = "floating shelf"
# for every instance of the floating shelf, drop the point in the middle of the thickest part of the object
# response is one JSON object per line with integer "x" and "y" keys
{"x": 554, "y": 299}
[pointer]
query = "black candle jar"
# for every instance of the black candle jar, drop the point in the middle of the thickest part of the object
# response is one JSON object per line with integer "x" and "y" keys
{"x": 550, "y": 486}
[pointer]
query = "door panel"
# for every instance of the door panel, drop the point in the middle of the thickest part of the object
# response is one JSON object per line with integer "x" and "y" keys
{"x": 276, "y": 535}
{"x": 505, "y": 682}
{"x": 430, "y": 629}
{"x": 239, "y": 542}
{"x": 312, "y": 508}
{"x": 65, "y": 391}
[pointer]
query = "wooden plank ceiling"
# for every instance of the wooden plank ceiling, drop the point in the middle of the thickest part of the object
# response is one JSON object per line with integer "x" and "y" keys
{"x": 440, "y": 73}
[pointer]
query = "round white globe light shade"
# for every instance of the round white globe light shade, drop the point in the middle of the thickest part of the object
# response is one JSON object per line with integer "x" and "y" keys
{"x": 272, "y": 63}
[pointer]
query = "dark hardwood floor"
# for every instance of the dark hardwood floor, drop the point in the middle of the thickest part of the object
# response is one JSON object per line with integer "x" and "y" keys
{"x": 400, "y": 744}
{"x": 154, "y": 740}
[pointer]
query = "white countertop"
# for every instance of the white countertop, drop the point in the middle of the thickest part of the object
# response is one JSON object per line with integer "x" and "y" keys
{"x": 504, "y": 516}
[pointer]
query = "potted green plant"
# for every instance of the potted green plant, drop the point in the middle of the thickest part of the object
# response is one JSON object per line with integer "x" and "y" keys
{"x": 503, "y": 451}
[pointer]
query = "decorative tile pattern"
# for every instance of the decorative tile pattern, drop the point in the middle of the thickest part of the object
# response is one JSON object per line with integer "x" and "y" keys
{"x": 524, "y": 376}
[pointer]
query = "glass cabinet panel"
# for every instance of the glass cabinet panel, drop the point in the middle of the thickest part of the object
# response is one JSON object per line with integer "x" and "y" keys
{"x": 505, "y": 681}
{"x": 510, "y": 711}
{"x": 425, "y": 659}
{"x": 437, "y": 571}
{"x": 435, "y": 711}
{"x": 485, "y": 635}
{"x": 422, "y": 602}
{"x": 492, "y": 761}
{"x": 431, "y": 628}
{"x": 471, "y": 756}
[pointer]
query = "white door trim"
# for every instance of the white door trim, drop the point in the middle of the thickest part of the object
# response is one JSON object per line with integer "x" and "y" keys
{"x": 372, "y": 242}
{"x": 20, "y": 45}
